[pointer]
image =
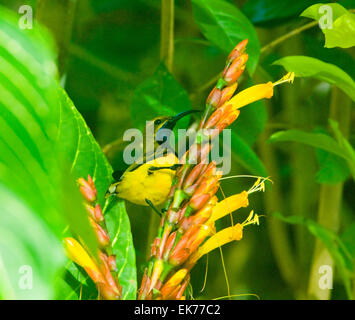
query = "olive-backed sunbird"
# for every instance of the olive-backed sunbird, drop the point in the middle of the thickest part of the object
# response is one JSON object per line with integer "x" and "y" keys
{"x": 148, "y": 182}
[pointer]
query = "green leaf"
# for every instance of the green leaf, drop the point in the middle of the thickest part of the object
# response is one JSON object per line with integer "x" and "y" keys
{"x": 333, "y": 169}
{"x": 340, "y": 32}
{"x": 263, "y": 11}
{"x": 42, "y": 137}
{"x": 30, "y": 188}
{"x": 246, "y": 156}
{"x": 79, "y": 149}
{"x": 304, "y": 66}
{"x": 30, "y": 253}
{"x": 331, "y": 241}
{"x": 225, "y": 26}
{"x": 158, "y": 95}
{"x": 343, "y": 32}
{"x": 317, "y": 140}
{"x": 75, "y": 284}
{"x": 119, "y": 229}
{"x": 348, "y": 150}
{"x": 313, "y": 11}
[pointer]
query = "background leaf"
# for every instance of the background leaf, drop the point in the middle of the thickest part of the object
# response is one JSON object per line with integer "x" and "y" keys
{"x": 225, "y": 26}
{"x": 304, "y": 66}
{"x": 342, "y": 32}
{"x": 119, "y": 229}
{"x": 313, "y": 11}
{"x": 158, "y": 95}
{"x": 333, "y": 169}
{"x": 317, "y": 140}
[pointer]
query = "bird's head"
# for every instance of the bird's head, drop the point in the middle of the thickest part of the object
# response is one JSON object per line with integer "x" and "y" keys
{"x": 168, "y": 122}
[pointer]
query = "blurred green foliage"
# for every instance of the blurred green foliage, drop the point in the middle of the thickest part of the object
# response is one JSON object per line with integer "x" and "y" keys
{"x": 112, "y": 72}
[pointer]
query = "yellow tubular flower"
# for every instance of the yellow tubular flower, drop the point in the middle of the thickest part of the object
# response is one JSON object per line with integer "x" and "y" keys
{"x": 252, "y": 94}
{"x": 78, "y": 254}
{"x": 174, "y": 281}
{"x": 229, "y": 205}
{"x": 258, "y": 92}
{"x": 234, "y": 233}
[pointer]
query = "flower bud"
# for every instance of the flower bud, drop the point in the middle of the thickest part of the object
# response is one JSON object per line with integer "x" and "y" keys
{"x": 173, "y": 282}
{"x": 214, "y": 97}
{"x": 194, "y": 173}
{"x": 112, "y": 263}
{"x": 227, "y": 93}
{"x": 169, "y": 245}
{"x": 87, "y": 189}
{"x": 232, "y": 72}
{"x": 237, "y": 51}
{"x": 101, "y": 235}
{"x": 99, "y": 217}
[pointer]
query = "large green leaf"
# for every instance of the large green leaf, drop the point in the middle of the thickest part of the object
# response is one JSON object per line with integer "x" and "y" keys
{"x": 225, "y": 25}
{"x": 79, "y": 148}
{"x": 341, "y": 33}
{"x": 342, "y": 258}
{"x": 31, "y": 186}
{"x": 304, "y": 66}
{"x": 42, "y": 137}
{"x": 119, "y": 229}
{"x": 158, "y": 95}
{"x": 30, "y": 253}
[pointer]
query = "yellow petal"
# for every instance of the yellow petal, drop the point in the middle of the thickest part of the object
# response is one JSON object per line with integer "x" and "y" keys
{"x": 252, "y": 94}
{"x": 229, "y": 205}
{"x": 176, "y": 279}
{"x": 78, "y": 254}
{"x": 221, "y": 238}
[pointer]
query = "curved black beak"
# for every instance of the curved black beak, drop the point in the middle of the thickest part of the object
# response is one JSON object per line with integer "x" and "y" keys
{"x": 171, "y": 123}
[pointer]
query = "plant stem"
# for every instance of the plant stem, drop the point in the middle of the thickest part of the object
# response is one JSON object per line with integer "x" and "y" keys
{"x": 330, "y": 198}
{"x": 287, "y": 36}
{"x": 167, "y": 33}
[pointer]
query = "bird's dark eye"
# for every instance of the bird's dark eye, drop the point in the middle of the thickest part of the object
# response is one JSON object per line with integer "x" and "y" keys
{"x": 157, "y": 122}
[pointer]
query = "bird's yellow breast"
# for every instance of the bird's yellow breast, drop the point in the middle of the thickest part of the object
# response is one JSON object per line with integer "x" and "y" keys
{"x": 140, "y": 184}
